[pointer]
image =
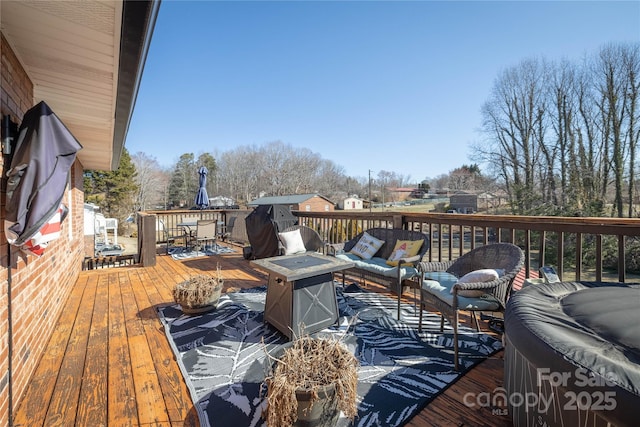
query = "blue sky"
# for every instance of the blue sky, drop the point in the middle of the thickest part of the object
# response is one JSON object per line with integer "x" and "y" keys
{"x": 382, "y": 85}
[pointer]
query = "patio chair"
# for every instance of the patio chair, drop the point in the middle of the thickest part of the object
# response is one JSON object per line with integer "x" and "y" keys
{"x": 225, "y": 229}
{"x": 310, "y": 238}
{"x": 173, "y": 237}
{"x": 479, "y": 280}
{"x": 189, "y": 222}
{"x": 206, "y": 231}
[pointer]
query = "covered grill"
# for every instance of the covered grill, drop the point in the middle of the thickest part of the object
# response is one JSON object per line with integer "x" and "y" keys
{"x": 263, "y": 225}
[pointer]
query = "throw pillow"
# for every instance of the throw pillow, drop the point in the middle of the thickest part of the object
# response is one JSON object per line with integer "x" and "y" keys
{"x": 483, "y": 275}
{"x": 292, "y": 242}
{"x": 367, "y": 246}
{"x": 404, "y": 249}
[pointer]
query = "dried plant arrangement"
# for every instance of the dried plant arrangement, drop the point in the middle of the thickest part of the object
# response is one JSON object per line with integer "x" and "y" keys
{"x": 199, "y": 293}
{"x": 307, "y": 366}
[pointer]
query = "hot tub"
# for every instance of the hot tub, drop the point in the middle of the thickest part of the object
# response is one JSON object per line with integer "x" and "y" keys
{"x": 572, "y": 354}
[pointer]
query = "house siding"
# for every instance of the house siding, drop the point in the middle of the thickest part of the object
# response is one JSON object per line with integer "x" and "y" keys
{"x": 316, "y": 204}
{"x": 352, "y": 203}
{"x": 301, "y": 202}
{"x": 39, "y": 286}
{"x": 464, "y": 203}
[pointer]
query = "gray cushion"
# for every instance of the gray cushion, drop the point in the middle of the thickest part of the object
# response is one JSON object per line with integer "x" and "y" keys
{"x": 439, "y": 284}
{"x": 378, "y": 266}
{"x": 348, "y": 256}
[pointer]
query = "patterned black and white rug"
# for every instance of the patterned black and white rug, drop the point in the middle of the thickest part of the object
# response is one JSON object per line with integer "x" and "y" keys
{"x": 179, "y": 253}
{"x": 222, "y": 356}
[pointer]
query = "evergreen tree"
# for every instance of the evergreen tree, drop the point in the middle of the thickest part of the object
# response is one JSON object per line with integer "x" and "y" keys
{"x": 113, "y": 191}
{"x": 184, "y": 182}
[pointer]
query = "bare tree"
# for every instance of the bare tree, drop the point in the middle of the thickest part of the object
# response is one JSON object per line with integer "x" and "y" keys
{"x": 592, "y": 164}
{"x": 150, "y": 180}
{"x": 305, "y": 171}
{"x": 385, "y": 179}
{"x": 276, "y": 168}
{"x": 333, "y": 182}
{"x": 513, "y": 121}
{"x": 238, "y": 175}
{"x": 274, "y": 174}
{"x": 561, "y": 185}
{"x": 465, "y": 178}
{"x": 561, "y": 137}
{"x": 617, "y": 68}
{"x": 631, "y": 62}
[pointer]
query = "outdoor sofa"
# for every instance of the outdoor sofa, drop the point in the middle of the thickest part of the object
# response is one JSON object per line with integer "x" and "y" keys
{"x": 377, "y": 266}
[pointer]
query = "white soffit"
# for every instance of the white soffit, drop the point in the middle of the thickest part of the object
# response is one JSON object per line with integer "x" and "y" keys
{"x": 70, "y": 51}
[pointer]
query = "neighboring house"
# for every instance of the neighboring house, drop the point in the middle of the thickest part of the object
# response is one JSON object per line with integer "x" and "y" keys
{"x": 85, "y": 60}
{"x": 220, "y": 202}
{"x": 464, "y": 202}
{"x": 352, "y": 203}
{"x": 400, "y": 193}
{"x": 494, "y": 200}
{"x": 298, "y": 202}
{"x": 418, "y": 193}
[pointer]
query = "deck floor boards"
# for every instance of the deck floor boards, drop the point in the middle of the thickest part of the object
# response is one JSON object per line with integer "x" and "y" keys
{"x": 109, "y": 362}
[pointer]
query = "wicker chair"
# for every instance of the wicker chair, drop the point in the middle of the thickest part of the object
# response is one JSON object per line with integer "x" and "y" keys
{"x": 310, "y": 237}
{"x": 441, "y": 289}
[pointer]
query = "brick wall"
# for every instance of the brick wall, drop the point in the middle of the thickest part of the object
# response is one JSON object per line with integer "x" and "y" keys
{"x": 39, "y": 286}
{"x": 316, "y": 204}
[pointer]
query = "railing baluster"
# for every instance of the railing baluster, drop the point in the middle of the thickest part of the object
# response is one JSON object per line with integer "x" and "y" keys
{"x": 621, "y": 258}
{"x": 527, "y": 252}
{"x": 560, "y": 266}
{"x": 578, "y": 256}
{"x": 543, "y": 246}
{"x": 599, "y": 257}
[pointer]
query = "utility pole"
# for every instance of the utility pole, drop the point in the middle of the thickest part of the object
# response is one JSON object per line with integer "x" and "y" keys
{"x": 370, "y": 202}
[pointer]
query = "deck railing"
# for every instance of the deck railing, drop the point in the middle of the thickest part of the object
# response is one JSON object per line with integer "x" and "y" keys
{"x": 575, "y": 247}
{"x": 171, "y": 219}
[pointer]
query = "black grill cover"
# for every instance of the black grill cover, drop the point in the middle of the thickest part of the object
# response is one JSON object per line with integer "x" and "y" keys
{"x": 38, "y": 175}
{"x": 263, "y": 225}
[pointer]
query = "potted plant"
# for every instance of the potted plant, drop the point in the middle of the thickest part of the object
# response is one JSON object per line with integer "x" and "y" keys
{"x": 311, "y": 382}
{"x": 200, "y": 293}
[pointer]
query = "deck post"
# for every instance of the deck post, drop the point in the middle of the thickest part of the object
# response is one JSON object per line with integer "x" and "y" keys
{"x": 147, "y": 240}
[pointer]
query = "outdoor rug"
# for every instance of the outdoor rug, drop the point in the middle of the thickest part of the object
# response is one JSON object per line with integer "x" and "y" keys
{"x": 179, "y": 253}
{"x": 222, "y": 356}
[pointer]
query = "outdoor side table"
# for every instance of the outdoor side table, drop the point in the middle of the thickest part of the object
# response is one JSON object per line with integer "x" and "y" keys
{"x": 301, "y": 297}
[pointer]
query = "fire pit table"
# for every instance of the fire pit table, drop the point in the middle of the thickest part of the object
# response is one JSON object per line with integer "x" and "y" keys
{"x": 301, "y": 297}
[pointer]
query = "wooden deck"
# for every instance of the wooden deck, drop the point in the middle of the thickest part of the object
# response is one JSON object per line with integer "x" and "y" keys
{"x": 109, "y": 362}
